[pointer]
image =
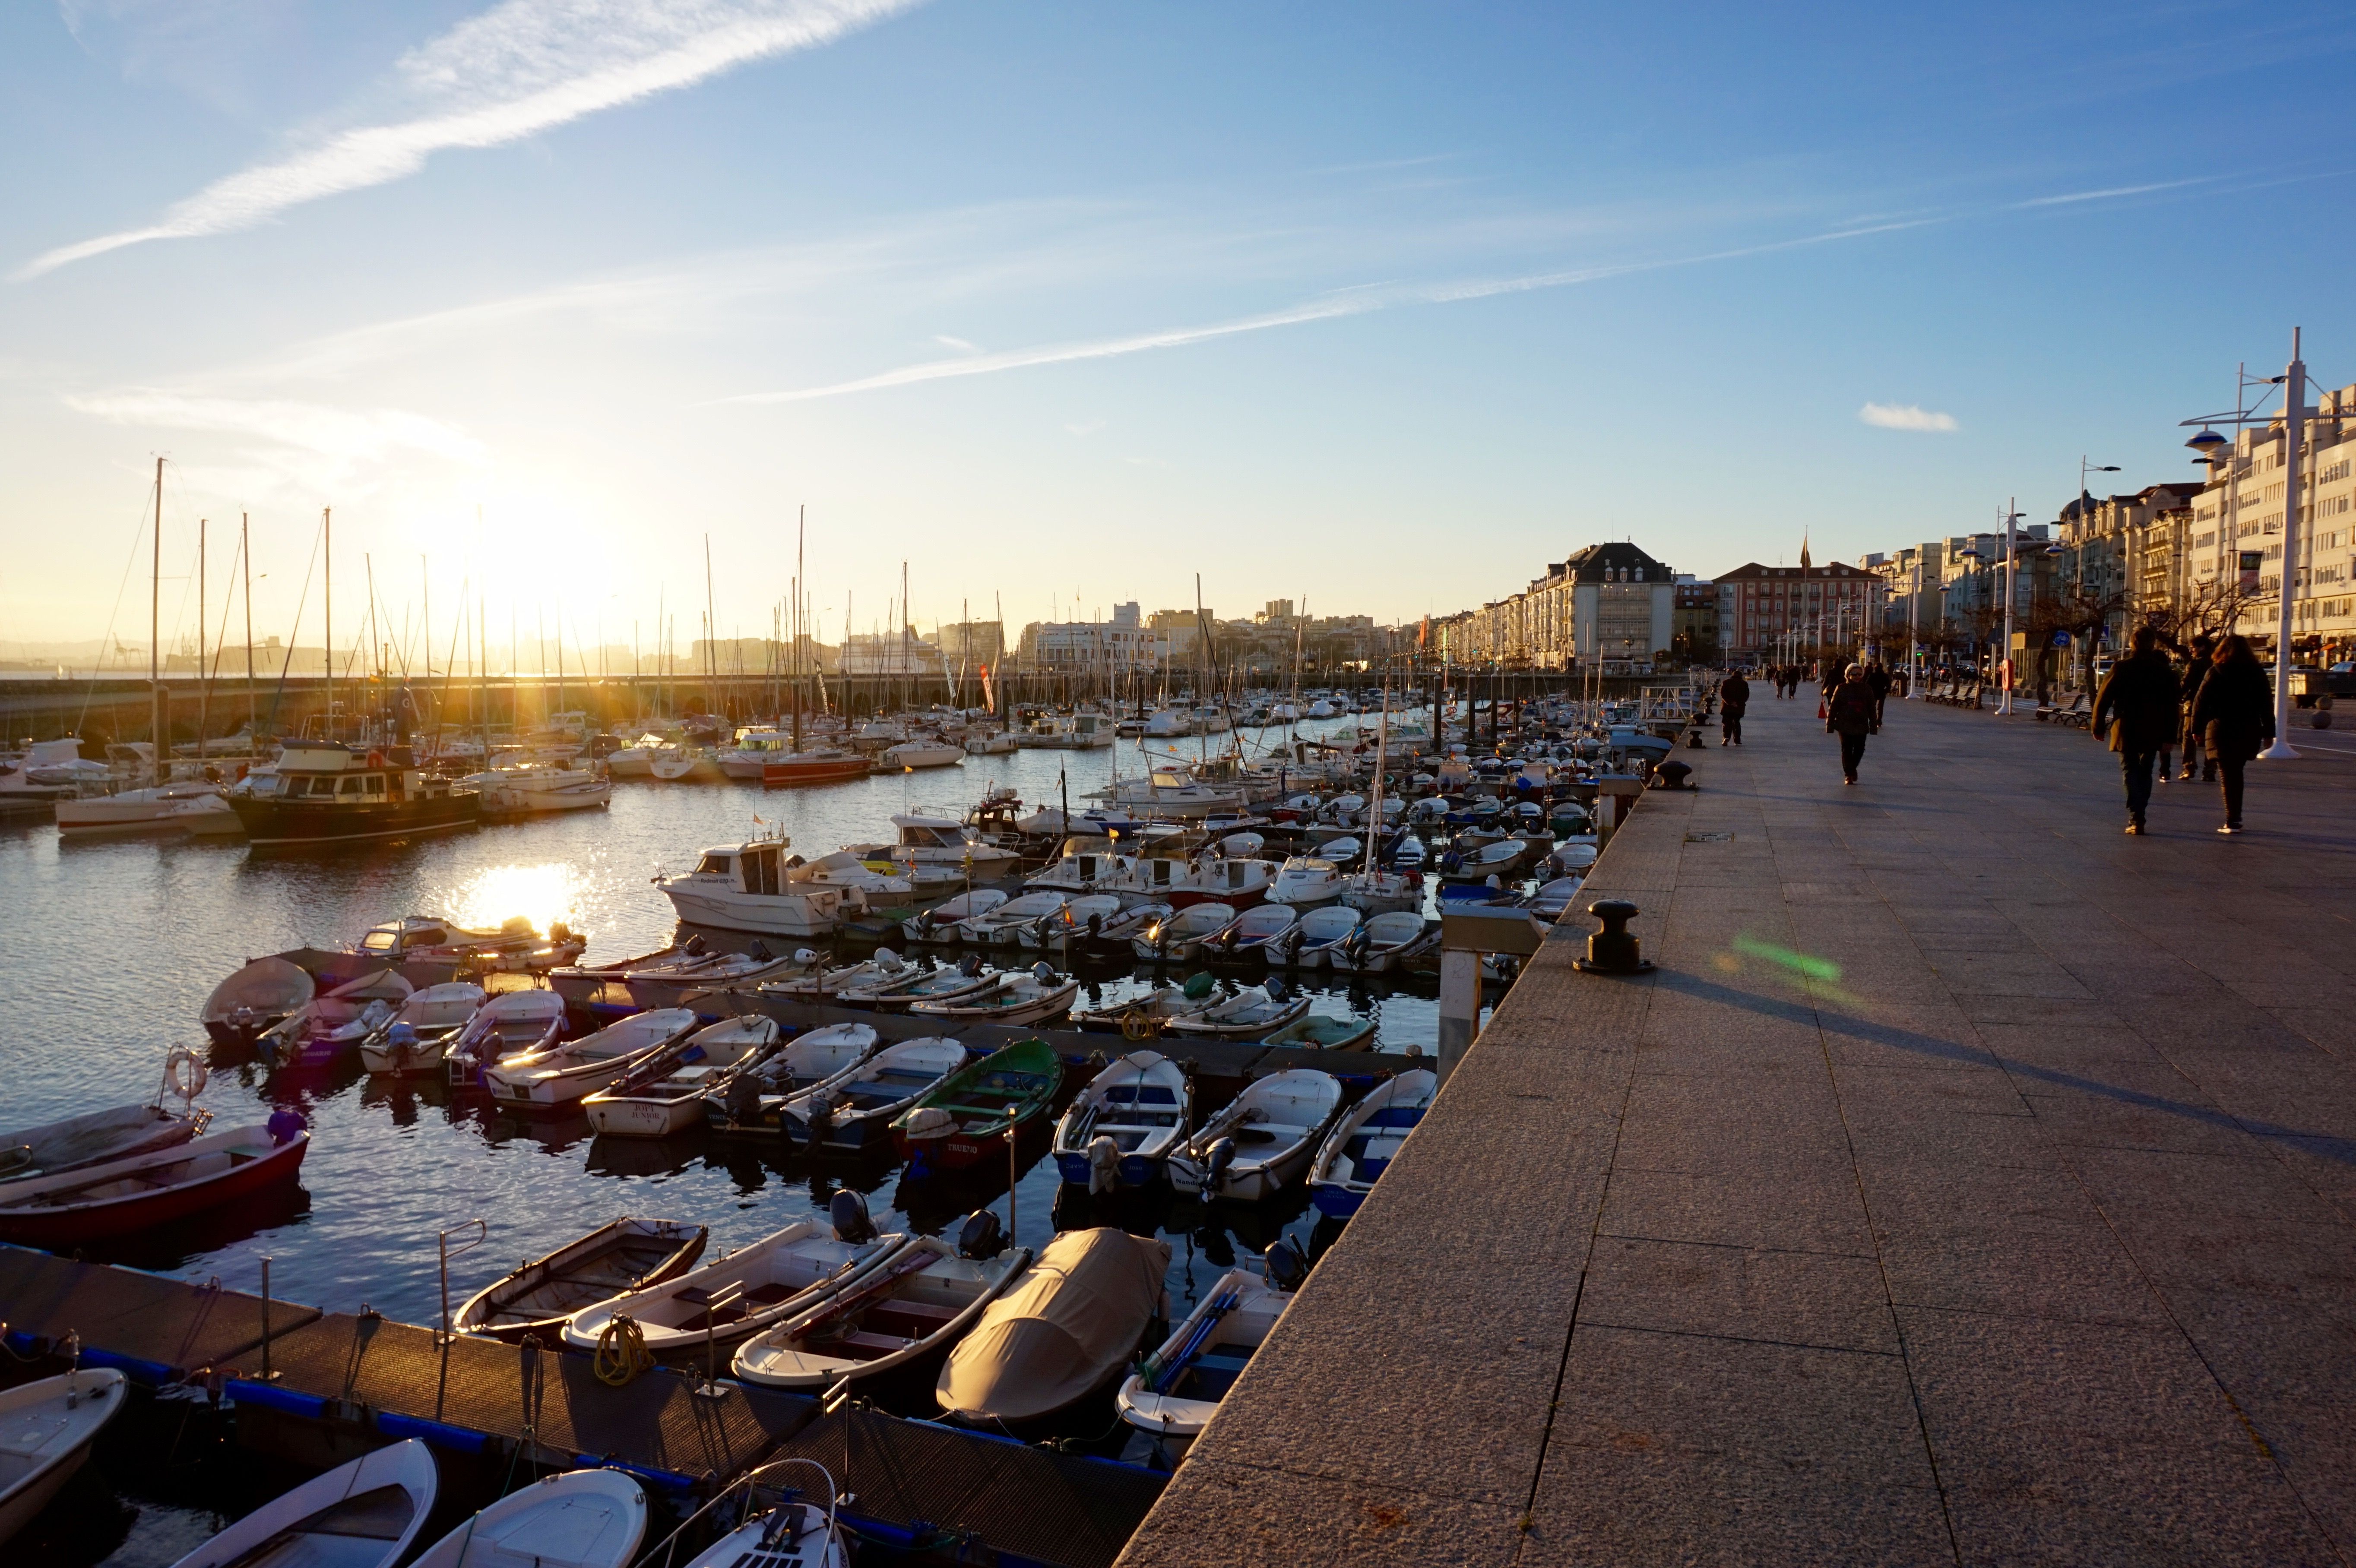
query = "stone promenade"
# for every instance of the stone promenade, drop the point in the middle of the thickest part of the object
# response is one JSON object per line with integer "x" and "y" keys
{"x": 1971, "y": 1183}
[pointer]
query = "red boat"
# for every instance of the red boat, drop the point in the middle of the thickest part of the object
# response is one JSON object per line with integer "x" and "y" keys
{"x": 826, "y": 764}
{"x": 145, "y": 1191}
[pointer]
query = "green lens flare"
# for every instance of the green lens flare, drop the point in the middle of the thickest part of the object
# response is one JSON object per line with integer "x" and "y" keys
{"x": 1799, "y": 963}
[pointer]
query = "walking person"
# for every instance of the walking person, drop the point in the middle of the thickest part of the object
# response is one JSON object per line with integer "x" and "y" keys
{"x": 2204, "y": 648}
{"x": 2236, "y": 717}
{"x": 1734, "y": 697}
{"x": 1876, "y": 676}
{"x": 2138, "y": 704}
{"x": 1848, "y": 714}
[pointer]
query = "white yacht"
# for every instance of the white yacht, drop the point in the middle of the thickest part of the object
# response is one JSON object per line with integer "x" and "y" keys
{"x": 754, "y": 747}
{"x": 1163, "y": 793}
{"x": 746, "y": 886}
{"x": 927, "y": 840}
{"x": 925, "y": 752}
{"x": 131, "y": 810}
{"x": 535, "y": 789}
{"x": 1305, "y": 881}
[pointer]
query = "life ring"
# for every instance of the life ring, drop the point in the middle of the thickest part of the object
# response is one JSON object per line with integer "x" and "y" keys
{"x": 622, "y": 1352}
{"x": 185, "y": 1073}
{"x": 376, "y": 759}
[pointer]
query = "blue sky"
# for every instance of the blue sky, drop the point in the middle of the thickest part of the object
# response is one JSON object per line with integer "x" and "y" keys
{"x": 1381, "y": 307}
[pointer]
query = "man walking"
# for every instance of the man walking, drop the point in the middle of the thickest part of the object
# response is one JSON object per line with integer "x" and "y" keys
{"x": 2235, "y": 715}
{"x": 1848, "y": 714}
{"x": 2204, "y": 647}
{"x": 2137, "y": 703}
{"x": 1876, "y": 676}
{"x": 1734, "y": 697}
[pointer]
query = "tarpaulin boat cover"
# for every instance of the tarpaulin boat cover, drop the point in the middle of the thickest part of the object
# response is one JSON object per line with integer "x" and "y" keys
{"x": 1065, "y": 1326}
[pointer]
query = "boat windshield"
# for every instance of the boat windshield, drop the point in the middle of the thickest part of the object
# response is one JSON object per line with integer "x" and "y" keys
{"x": 715, "y": 864}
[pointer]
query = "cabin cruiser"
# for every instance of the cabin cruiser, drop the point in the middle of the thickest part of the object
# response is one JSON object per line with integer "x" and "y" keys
{"x": 1305, "y": 881}
{"x": 157, "y": 805}
{"x": 327, "y": 793}
{"x": 922, "y": 753}
{"x": 818, "y": 765}
{"x": 754, "y": 746}
{"x": 944, "y": 841}
{"x": 1164, "y": 793}
{"x": 52, "y": 769}
{"x": 746, "y": 886}
{"x": 1068, "y": 732}
{"x": 536, "y": 788}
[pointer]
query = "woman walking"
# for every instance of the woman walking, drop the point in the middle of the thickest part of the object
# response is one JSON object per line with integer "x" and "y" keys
{"x": 1848, "y": 714}
{"x": 2138, "y": 707}
{"x": 2235, "y": 717}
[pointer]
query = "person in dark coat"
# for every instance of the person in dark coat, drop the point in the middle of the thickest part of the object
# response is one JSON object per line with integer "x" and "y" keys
{"x": 1848, "y": 714}
{"x": 2234, "y": 715}
{"x": 1876, "y": 676}
{"x": 2204, "y": 649}
{"x": 2138, "y": 704}
{"x": 1733, "y": 699}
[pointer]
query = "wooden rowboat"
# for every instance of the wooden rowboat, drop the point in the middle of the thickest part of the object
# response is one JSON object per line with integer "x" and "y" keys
{"x": 126, "y": 1196}
{"x": 534, "y": 1301}
{"x": 93, "y": 1139}
{"x": 913, "y": 1309}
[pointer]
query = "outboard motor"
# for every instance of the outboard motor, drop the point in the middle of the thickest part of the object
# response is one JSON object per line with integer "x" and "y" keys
{"x": 1275, "y": 989}
{"x": 970, "y": 966}
{"x": 695, "y": 947}
{"x": 759, "y": 952}
{"x": 1104, "y": 1165}
{"x": 744, "y": 1100}
{"x": 1285, "y": 1267}
{"x": 982, "y": 1236}
{"x": 888, "y": 961}
{"x": 1216, "y": 1160}
{"x": 848, "y": 1213}
{"x": 1043, "y": 972}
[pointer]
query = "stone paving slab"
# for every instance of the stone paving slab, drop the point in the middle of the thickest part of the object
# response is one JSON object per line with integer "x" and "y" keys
{"x": 1970, "y": 1183}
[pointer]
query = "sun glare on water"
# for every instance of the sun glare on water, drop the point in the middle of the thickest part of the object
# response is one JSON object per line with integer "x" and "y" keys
{"x": 542, "y": 894}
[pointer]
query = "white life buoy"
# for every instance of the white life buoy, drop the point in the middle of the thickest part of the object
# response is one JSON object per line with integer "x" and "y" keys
{"x": 185, "y": 1073}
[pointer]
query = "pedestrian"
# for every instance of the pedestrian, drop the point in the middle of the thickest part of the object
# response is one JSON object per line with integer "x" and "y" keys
{"x": 1876, "y": 676}
{"x": 1848, "y": 714}
{"x": 2235, "y": 715}
{"x": 2204, "y": 648}
{"x": 2138, "y": 704}
{"x": 1733, "y": 697}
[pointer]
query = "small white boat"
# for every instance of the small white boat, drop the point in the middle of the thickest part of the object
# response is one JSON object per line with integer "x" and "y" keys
{"x": 944, "y": 923}
{"x": 539, "y": 789}
{"x": 1305, "y": 881}
{"x": 361, "y": 1515}
{"x": 1365, "y": 1141}
{"x": 1266, "y": 932}
{"x": 922, "y": 754}
{"x": 914, "y": 1308}
{"x": 1124, "y": 928}
{"x": 421, "y": 1029}
{"x": 740, "y": 1294}
{"x": 1065, "y": 1330}
{"x": 1175, "y": 1391}
{"x": 46, "y": 1431}
{"x": 670, "y": 984}
{"x": 794, "y": 1534}
{"x": 1120, "y": 1128}
{"x": 513, "y": 1023}
{"x": 1020, "y": 996}
{"x": 1260, "y": 1141}
{"x": 1001, "y": 926}
{"x": 1324, "y": 936}
{"x": 625, "y": 1255}
{"x": 1174, "y": 941}
{"x": 822, "y": 983}
{"x": 996, "y": 744}
{"x": 258, "y": 996}
{"x": 95, "y": 1138}
{"x": 852, "y": 1112}
{"x": 745, "y": 887}
{"x": 580, "y": 1518}
{"x": 1382, "y": 892}
{"x": 1386, "y": 941}
{"x": 1255, "y": 1010}
{"x": 674, "y": 1102}
{"x": 1077, "y": 922}
{"x": 325, "y": 1027}
{"x": 903, "y": 991}
{"x": 1142, "y": 1017}
{"x": 752, "y": 1098}
{"x": 564, "y": 1074}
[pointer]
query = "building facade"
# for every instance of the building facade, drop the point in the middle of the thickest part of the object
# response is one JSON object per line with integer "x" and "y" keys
{"x": 1771, "y": 614}
{"x": 1608, "y": 604}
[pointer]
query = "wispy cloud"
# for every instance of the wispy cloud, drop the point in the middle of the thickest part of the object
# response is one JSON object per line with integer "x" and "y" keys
{"x": 2070, "y": 197}
{"x": 521, "y": 68}
{"x": 960, "y": 344}
{"x": 330, "y": 431}
{"x": 1905, "y": 416}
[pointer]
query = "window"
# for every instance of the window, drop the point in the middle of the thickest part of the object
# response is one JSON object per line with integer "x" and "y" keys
{"x": 714, "y": 865}
{"x": 353, "y": 785}
{"x": 376, "y": 784}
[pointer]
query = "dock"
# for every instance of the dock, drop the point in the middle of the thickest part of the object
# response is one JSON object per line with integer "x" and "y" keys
{"x": 1969, "y": 1182}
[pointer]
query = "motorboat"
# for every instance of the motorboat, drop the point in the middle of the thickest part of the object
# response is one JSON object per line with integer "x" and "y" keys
{"x": 1324, "y": 936}
{"x": 752, "y": 1100}
{"x": 329, "y": 794}
{"x": 1264, "y": 934}
{"x": 1318, "y": 1031}
{"x": 562, "y": 1076}
{"x": 898, "y": 993}
{"x": 1119, "y": 1129}
{"x": 96, "y": 1137}
{"x": 1305, "y": 881}
{"x": 421, "y": 1029}
{"x": 1237, "y": 883}
{"x": 1342, "y": 850}
{"x": 1175, "y": 940}
{"x": 325, "y": 1027}
{"x": 1255, "y": 1010}
{"x": 1088, "y": 866}
{"x": 517, "y": 945}
{"x": 637, "y": 760}
{"x": 256, "y": 997}
{"x": 1164, "y": 793}
{"x": 1388, "y": 941}
{"x": 792, "y": 1534}
{"x": 1365, "y": 1140}
{"x": 575, "y": 1519}
{"x": 1066, "y": 1331}
{"x": 48, "y": 772}
{"x": 922, "y": 754}
{"x": 1502, "y": 859}
{"x": 1067, "y": 732}
{"x": 658, "y": 1107}
{"x": 996, "y": 743}
{"x": 687, "y": 764}
{"x": 1175, "y": 1391}
{"x": 670, "y": 985}
{"x": 1141, "y": 1017}
{"x": 365, "y": 1514}
{"x": 1000, "y": 927}
{"x": 584, "y": 984}
{"x": 1168, "y": 724}
{"x": 926, "y": 840}
{"x": 141, "y": 1192}
{"x": 970, "y": 1115}
{"x": 852, "y": 1111}
{"x": 622, "y": 1256}
{"x": 512, "y": 1024}
{"x": 870, "y": 883}
{"x": 1262, "y": 1140}
{"x": 741, "y": 1293}
{"x": 745, "y": 887}
{"x": 1382, "y": 893}
{"x": 1554, "y": 897}
{"x": 46, "y": 1430}
{"x": 1113, "y": 940}
{"x": 540, "y": 789}
{"x": 132, "y": 810}
{"x": 905, "y": 1313}
{"x": 944, "y": 925}
{"x": 818, "y": 765}
{"x": 823, "y": 983}
{"x": 1075, "y": 923}
{"x": 1016, "y": 997}
{"x": 753, "y": 748}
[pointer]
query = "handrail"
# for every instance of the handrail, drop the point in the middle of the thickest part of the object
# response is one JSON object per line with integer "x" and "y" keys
{"x": 482, "y": 1234}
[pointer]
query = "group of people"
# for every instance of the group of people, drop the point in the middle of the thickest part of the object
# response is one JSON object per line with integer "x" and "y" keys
{"x": 2220, "y": 708}
{"x": 1850, "y": 704}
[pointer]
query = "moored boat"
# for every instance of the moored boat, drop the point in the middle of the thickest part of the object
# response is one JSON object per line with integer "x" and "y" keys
{"x": 852, "y": 1111}
{"x": 627, "y": 1254}
{"x": 576, "y": 1519}
{"x": 513, "y": 1023}
{"x": 1018, "y": 996}
{"x": 97, "y": 1138}
{"x": 327, "y": 793}
{"x": 122, "y": 1196}
{"x": 1325, "y": 935}
{"x": 968, "y": 1116}
{"x": 1175, "y": 940}
{"x": 905, "y": 1313}
{"x": 1065, "y": 1330}
{"x": 1317, "y": 1032}
{"x": 1142, "y": 1017}
{"x": 944, "y": 923}
{"x": 563, "y": 1075}
{"x": 1119, "y": 1129}
{"x": 1365, "y": 1140}
{"x": 256, "y": 997}
{"x": 740, "y": 1293}
{"x": 46, "y": 1431}
{"x": 1260, "y": 1141}
{"x": 657, "y": 1106}
{"x": 1254, "y": 1011}
{"x": 1175, "y": 1391}
{"x": 365, "y": 1514}
{"x": 325, "y": 1027}
{"x": 752, "y": 1098}
{"x": 421, "y": 1029}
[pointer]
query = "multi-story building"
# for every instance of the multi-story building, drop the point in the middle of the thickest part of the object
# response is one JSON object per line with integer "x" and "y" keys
{"x": 1767, "y": 613}
{"x": 1610, "y": 605}
{"x": 2233, "y": 566}
{"x": 1694, "y": 620}
{"x": 1117, "y": 648}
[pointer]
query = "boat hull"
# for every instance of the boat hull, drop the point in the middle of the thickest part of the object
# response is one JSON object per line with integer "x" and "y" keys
{"x": 798, "y": 775}
{"x": 279, "y": 823}
{"x": 775, "y": 915}
{"x": 103, "y": 1218}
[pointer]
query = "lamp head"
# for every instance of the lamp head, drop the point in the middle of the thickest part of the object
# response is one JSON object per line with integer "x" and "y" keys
{"x": 2205, "y": 445}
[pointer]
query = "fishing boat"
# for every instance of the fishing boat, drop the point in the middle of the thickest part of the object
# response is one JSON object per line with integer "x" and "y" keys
{"x": 944, "y": 925}
{"x": 1071, "y": 927}
{"x": 1388, "y": 941}
{"x": 655, "y": 1108}
{"x": 418, "y": 1034}
{"x": 46, "y": 1431}
{"x": 792, "y": 1534}
{"x": 1250, "y": 1012}
{"x": 1000, "y": 927}
{"x": 1305, "y": 881}
{"x": 1018, "y": 997}
{"x": 512, "y": 1024}
{"x": 563, "y": 1075}
{"x": 752, "y": 1100}
{"x": 97, "y": 1138}
{"x": 744, "y": 887}
{"x": 141, "y": 1192}
{"x": 1119, "y": 1129}
{"x": 968, "y": 1116}
{"x": 1174, "y": 941}
{"x": 625, "y": 1255}
{"x": 516, "y": 945}
{"x": 258, "y": 996}
{"x": 1141, "y": 1017}
{"x": 852, "y": 1111}
{"x": 1325, "y": 935}
{"x": 905, "y": 1313}
{"x": 1066, "y": 1331}
{"x": 365, "y": 1514}
{"x": 898, "y": 993}
{"x": 577, "y": 1519}
{"x": 1367, "y": 1139}
{"x": 823, "y": 983}
{"x": 670, "y": 985}
{"x": 1260, "y": 1141}
{"x": 944, "y": 841}
{"x": 1318, "y": 1031}
{"x": 325, "y": 1027}
{"x": 329, "y": 794}
{"x": 1175, "y": 1391}
{"x": 739, "y": 1294}
{"x": 818, "y": 765}
{"x": 1261, "y": 935}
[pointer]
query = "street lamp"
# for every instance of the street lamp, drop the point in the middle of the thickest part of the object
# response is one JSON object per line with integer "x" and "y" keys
{"x": 2078, "y": 580}
{"x": 2011, "y": 591}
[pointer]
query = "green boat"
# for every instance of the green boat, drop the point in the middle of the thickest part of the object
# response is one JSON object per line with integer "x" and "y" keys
{"x": 965, "y": 1119}
{"x": 1315, "y": 1031}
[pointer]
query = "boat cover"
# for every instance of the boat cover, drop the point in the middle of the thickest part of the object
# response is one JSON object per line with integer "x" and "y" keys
{"x": 1064, "y": 1326}
{"x": 267, "y": 986}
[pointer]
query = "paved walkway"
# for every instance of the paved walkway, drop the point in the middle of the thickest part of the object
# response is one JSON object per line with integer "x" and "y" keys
{"x": 1971, "y": 1183}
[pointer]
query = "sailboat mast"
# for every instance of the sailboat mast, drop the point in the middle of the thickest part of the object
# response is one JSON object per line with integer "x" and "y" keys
{"x": 801, "y": 541}
{"x": 245, "y": 555}
{"x": 204, "y": 671}
{"x": 327, "y": 602}
{"x": 158, "y": 714}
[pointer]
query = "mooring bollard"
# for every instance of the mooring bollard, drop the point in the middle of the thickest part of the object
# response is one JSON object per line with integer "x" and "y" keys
{"x": 1612, "y": 951}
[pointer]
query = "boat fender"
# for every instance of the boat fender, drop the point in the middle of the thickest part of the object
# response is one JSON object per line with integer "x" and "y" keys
{"x": 185, "y": 1073}
{"x": 1104, "y": 1165}
{"x": 286, "y": 1125}
{"x": 970, "y": 966}
{"x": 980, "y": 1236}
{"x": 1285, "y": 1267}
{"x": 1198, "y": 985}
{"x": 848, "y": 1213}
{"x": 1216, "y": 1160}
{"x": 804, "y": 956}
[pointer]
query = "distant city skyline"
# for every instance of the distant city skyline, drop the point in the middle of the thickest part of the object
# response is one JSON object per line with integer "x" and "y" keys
{"x": 1380, "y": 309}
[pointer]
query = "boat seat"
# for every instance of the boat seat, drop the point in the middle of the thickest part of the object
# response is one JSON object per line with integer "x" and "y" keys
{"x": 861, "y": 1346}
{"x": 931, "y": 1312}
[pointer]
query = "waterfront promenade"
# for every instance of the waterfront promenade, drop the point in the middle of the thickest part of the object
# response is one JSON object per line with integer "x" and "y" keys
{"x": 1971, "y": 1183}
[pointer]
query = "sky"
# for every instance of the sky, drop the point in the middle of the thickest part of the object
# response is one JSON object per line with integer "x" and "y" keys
{"x": 1380, "y": 308}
